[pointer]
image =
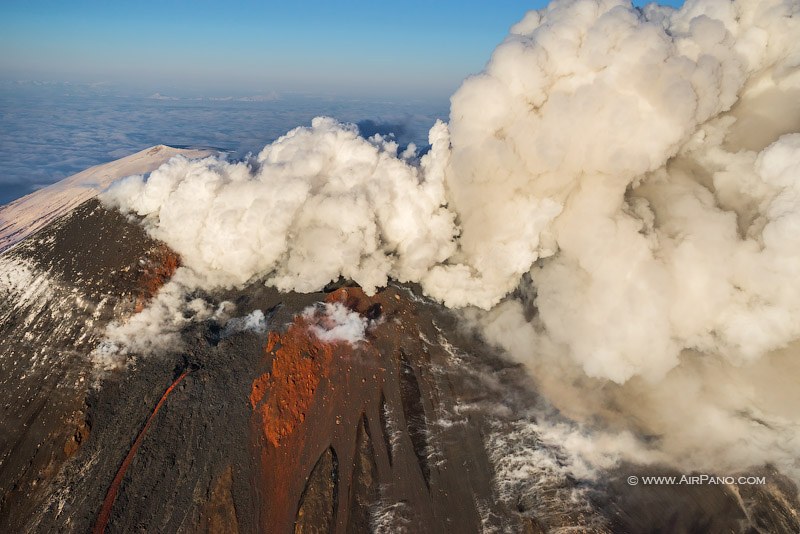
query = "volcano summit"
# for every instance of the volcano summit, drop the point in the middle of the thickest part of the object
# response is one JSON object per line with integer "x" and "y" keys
{"x": 331, "y": 411}
{"x": 576, "y": 310}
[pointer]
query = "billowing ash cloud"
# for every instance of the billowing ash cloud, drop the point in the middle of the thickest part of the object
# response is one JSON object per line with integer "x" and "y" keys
{"x": 318, "y": 203}
{"x": 631, "y": 175}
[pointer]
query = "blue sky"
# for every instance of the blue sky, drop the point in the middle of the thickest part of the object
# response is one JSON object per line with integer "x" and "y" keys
{"x": 353, "y": 47}
{"x": 387, "y": 67}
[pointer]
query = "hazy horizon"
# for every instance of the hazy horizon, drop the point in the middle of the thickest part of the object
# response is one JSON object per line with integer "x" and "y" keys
{"x": 87, "y": 82}
{"x": 423, "y": 50}
{"x": 357, "y": 48}
{"x": 50, "y": 134}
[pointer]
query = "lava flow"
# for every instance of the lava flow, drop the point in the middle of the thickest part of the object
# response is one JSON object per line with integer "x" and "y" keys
{"x": 111, "y": 496}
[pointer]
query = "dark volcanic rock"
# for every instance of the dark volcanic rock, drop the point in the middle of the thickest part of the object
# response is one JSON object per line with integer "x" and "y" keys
{"x": 364, "y": 487}
{"x": 219, "y": 512}
{"x": 58, "y": 290}
{"x": 706, "y": 508}
{"x": 317, "y": 510}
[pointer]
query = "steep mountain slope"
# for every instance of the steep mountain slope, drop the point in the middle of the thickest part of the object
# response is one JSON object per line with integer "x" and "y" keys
{"x": 58, "y": 291}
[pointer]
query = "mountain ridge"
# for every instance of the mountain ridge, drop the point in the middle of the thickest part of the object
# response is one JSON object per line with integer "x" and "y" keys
{"x": 23, "y": 217}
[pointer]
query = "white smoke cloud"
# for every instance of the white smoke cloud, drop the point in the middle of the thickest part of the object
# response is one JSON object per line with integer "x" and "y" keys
{"x": 254, "y": 321}
{"x": 631, "y": 173}
{"x": 157, "y": 327}
{"x": 318, "y": 203}
{"x": 333, "y": 322}
{"x": 576, "y": 106}
{"x": 667, "y": 282}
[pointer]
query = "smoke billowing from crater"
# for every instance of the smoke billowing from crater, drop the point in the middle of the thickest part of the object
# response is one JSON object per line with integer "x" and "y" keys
{"x": 319, "y": 203}
{"x": 630, "y": 175}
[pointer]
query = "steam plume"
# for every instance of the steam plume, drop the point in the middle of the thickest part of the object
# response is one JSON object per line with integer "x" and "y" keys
{"x": 631, "y": 175}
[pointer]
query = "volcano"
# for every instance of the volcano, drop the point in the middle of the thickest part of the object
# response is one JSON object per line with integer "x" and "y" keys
{"x": 331, "y": 411}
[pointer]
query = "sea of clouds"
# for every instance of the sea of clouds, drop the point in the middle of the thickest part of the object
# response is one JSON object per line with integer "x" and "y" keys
{"x": 614, "y": 202}
{"x": 51, "y": 131}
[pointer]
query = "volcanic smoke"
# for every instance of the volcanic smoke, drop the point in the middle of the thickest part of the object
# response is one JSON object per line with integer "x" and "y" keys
{"x": 615, "y": 202}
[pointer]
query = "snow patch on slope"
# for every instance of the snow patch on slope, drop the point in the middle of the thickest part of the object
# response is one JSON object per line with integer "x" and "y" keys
{"x": 25, "y": 216}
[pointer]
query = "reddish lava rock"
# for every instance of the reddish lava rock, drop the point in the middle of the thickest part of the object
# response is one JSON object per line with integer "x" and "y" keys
{"x": 282, "y": 400}
{"x": 300, "y": 361}
{"x": 159, "y": 265}
{"x": 327, "y": 453}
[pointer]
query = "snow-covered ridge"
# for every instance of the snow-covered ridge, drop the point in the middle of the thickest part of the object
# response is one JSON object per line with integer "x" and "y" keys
{"x": 25, "y": 216}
